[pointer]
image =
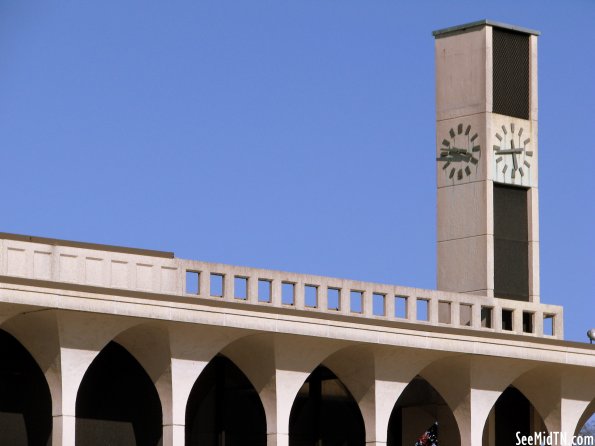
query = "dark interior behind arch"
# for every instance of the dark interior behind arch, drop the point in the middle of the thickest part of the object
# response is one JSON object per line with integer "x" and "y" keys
{"x": 117, "y": 402}
{"x": 324, "y": 413}
{"x": 224, "y": 409}
{"x": 25, "y": 400}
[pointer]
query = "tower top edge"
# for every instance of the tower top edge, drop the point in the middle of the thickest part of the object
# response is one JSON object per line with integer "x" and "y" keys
{"x": 444, "y": 32}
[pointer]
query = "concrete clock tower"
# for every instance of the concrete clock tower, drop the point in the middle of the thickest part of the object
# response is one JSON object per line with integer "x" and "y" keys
{"x": 486, "y": 160}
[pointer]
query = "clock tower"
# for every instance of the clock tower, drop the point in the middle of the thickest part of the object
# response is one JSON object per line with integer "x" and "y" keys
{"x": 486, "y": 160}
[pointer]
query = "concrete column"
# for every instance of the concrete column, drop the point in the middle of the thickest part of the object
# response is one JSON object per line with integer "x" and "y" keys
{"x": 82, "y": 337}
{"x": 542, "y": 387}
{"x": 277, "y": 439}
{"x": 277, "y": 366}
{"x": 63, "y": 430}
{"x": 191, "y": 349}
{"x": 376, "y": 378}
{"x": 471, "y": 387}
{"x": 73, "y": 365}
{"x": 184, "y": 374}
{"x": 276, "y": 292}
{"x": 64, "y": 344}
{"x": 389, "y": 305}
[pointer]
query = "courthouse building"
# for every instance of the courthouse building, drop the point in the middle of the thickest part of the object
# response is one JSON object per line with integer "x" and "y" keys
{"x": 106, "y": 345}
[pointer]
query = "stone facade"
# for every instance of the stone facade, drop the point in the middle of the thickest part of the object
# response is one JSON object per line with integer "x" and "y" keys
{"x": 113, "y": 345}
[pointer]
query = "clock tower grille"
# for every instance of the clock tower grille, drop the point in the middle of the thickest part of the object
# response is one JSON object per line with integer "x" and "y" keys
{"x": 510, "y": 55}
{"x": 511, "y": 243}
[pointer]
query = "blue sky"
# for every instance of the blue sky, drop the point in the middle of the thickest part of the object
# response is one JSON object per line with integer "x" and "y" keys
{"x": 294, "y": 135}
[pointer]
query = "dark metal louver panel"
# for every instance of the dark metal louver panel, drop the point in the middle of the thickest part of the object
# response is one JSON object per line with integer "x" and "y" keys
{"x": 511, "y": 243}
{"x": 510, "y": 73}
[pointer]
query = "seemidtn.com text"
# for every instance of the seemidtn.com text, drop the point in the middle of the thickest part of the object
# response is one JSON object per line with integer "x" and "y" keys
{"x": 554, "y": 439}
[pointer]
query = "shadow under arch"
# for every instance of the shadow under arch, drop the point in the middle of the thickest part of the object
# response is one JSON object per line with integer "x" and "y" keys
{"x": 224, "y": 409}
{"x": 416, "y": 409}
{"x": 25, "y": 401}
{"x": 512, "y": 414}
{"x": 325, "y": 413}
{"x": 117, "y": 402}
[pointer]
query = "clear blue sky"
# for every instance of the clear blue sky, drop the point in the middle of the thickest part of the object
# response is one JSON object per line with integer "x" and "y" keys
{"x": 294, "y": 135}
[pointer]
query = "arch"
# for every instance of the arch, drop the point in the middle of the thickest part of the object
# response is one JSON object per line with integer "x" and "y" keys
{"x": 512, "y": 413}
{"x": 117, "y": 402}
{"x": 224, "y": 408}
{"x": 25, "y": 401}
{"x": 586, "y": 423}
{"x": 325, "y": 411}
{"x": 418, "y": 406}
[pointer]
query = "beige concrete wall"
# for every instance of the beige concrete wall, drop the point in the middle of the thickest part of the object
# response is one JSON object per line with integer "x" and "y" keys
{"x": 141, "y": 276}
{"x": 375, "y": 370}
{"x": 461, "y": 74}
{"x": 465, "y": 205}
{"x": 65, "y": 321}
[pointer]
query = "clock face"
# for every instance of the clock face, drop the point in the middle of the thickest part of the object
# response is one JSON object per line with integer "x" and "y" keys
{"x": 459, "y": 153}
{"x": 512, "y": 156}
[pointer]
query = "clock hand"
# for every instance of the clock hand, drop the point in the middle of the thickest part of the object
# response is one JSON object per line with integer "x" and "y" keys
{"x": 454, "y": 157}
{"x": 508, "y": 152}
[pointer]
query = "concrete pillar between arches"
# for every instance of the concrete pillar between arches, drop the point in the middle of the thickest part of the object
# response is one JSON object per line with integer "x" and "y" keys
{"x": 276, "y": 439}
{"x": 375, "y": 443}
{"x": 63, "y": 430}
{"x": 174, "y": 434}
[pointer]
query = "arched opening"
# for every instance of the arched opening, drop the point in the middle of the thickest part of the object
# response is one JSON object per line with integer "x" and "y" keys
{"x": 586, "y": 424}
{"x": 512, "y": 414}
{"x": 25, "y": 400}
{"x": 117, "y": 402}
{"x": 324, "y": 413}
{"x": 224, "y": 409}
{"x": 418, "y": 407}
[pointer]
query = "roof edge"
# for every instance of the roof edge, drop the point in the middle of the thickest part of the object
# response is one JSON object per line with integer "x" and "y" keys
{"x": 485, "y": 22}
{"x": 86, "y": 245}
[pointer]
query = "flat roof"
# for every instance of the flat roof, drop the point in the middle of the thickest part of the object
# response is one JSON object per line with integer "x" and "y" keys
{"x": 85, "y": 245}
{"x": 485, "y": 22}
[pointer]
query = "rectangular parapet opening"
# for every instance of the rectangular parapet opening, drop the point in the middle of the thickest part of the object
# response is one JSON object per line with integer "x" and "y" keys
{"x": 507, "y": 319}
{"x": 356, "y": 301}
{"x": 240, "y": 288}
{"x": 288, "y": 293}
{"x": 401, "y": 307}
{"x": 378, "y": 304}
{"x": 311, "y": 296}
{"x": 216, "y": 285}
{"x": 486, "y": 317}
{"x": 466, "y": 315}
{"x": 192, "y": 282}
{"x": 444, "y": 312}
{"x": 423, "y": 310}
{"x": 264, "y": 290}
{"x": 333, "y": 299}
